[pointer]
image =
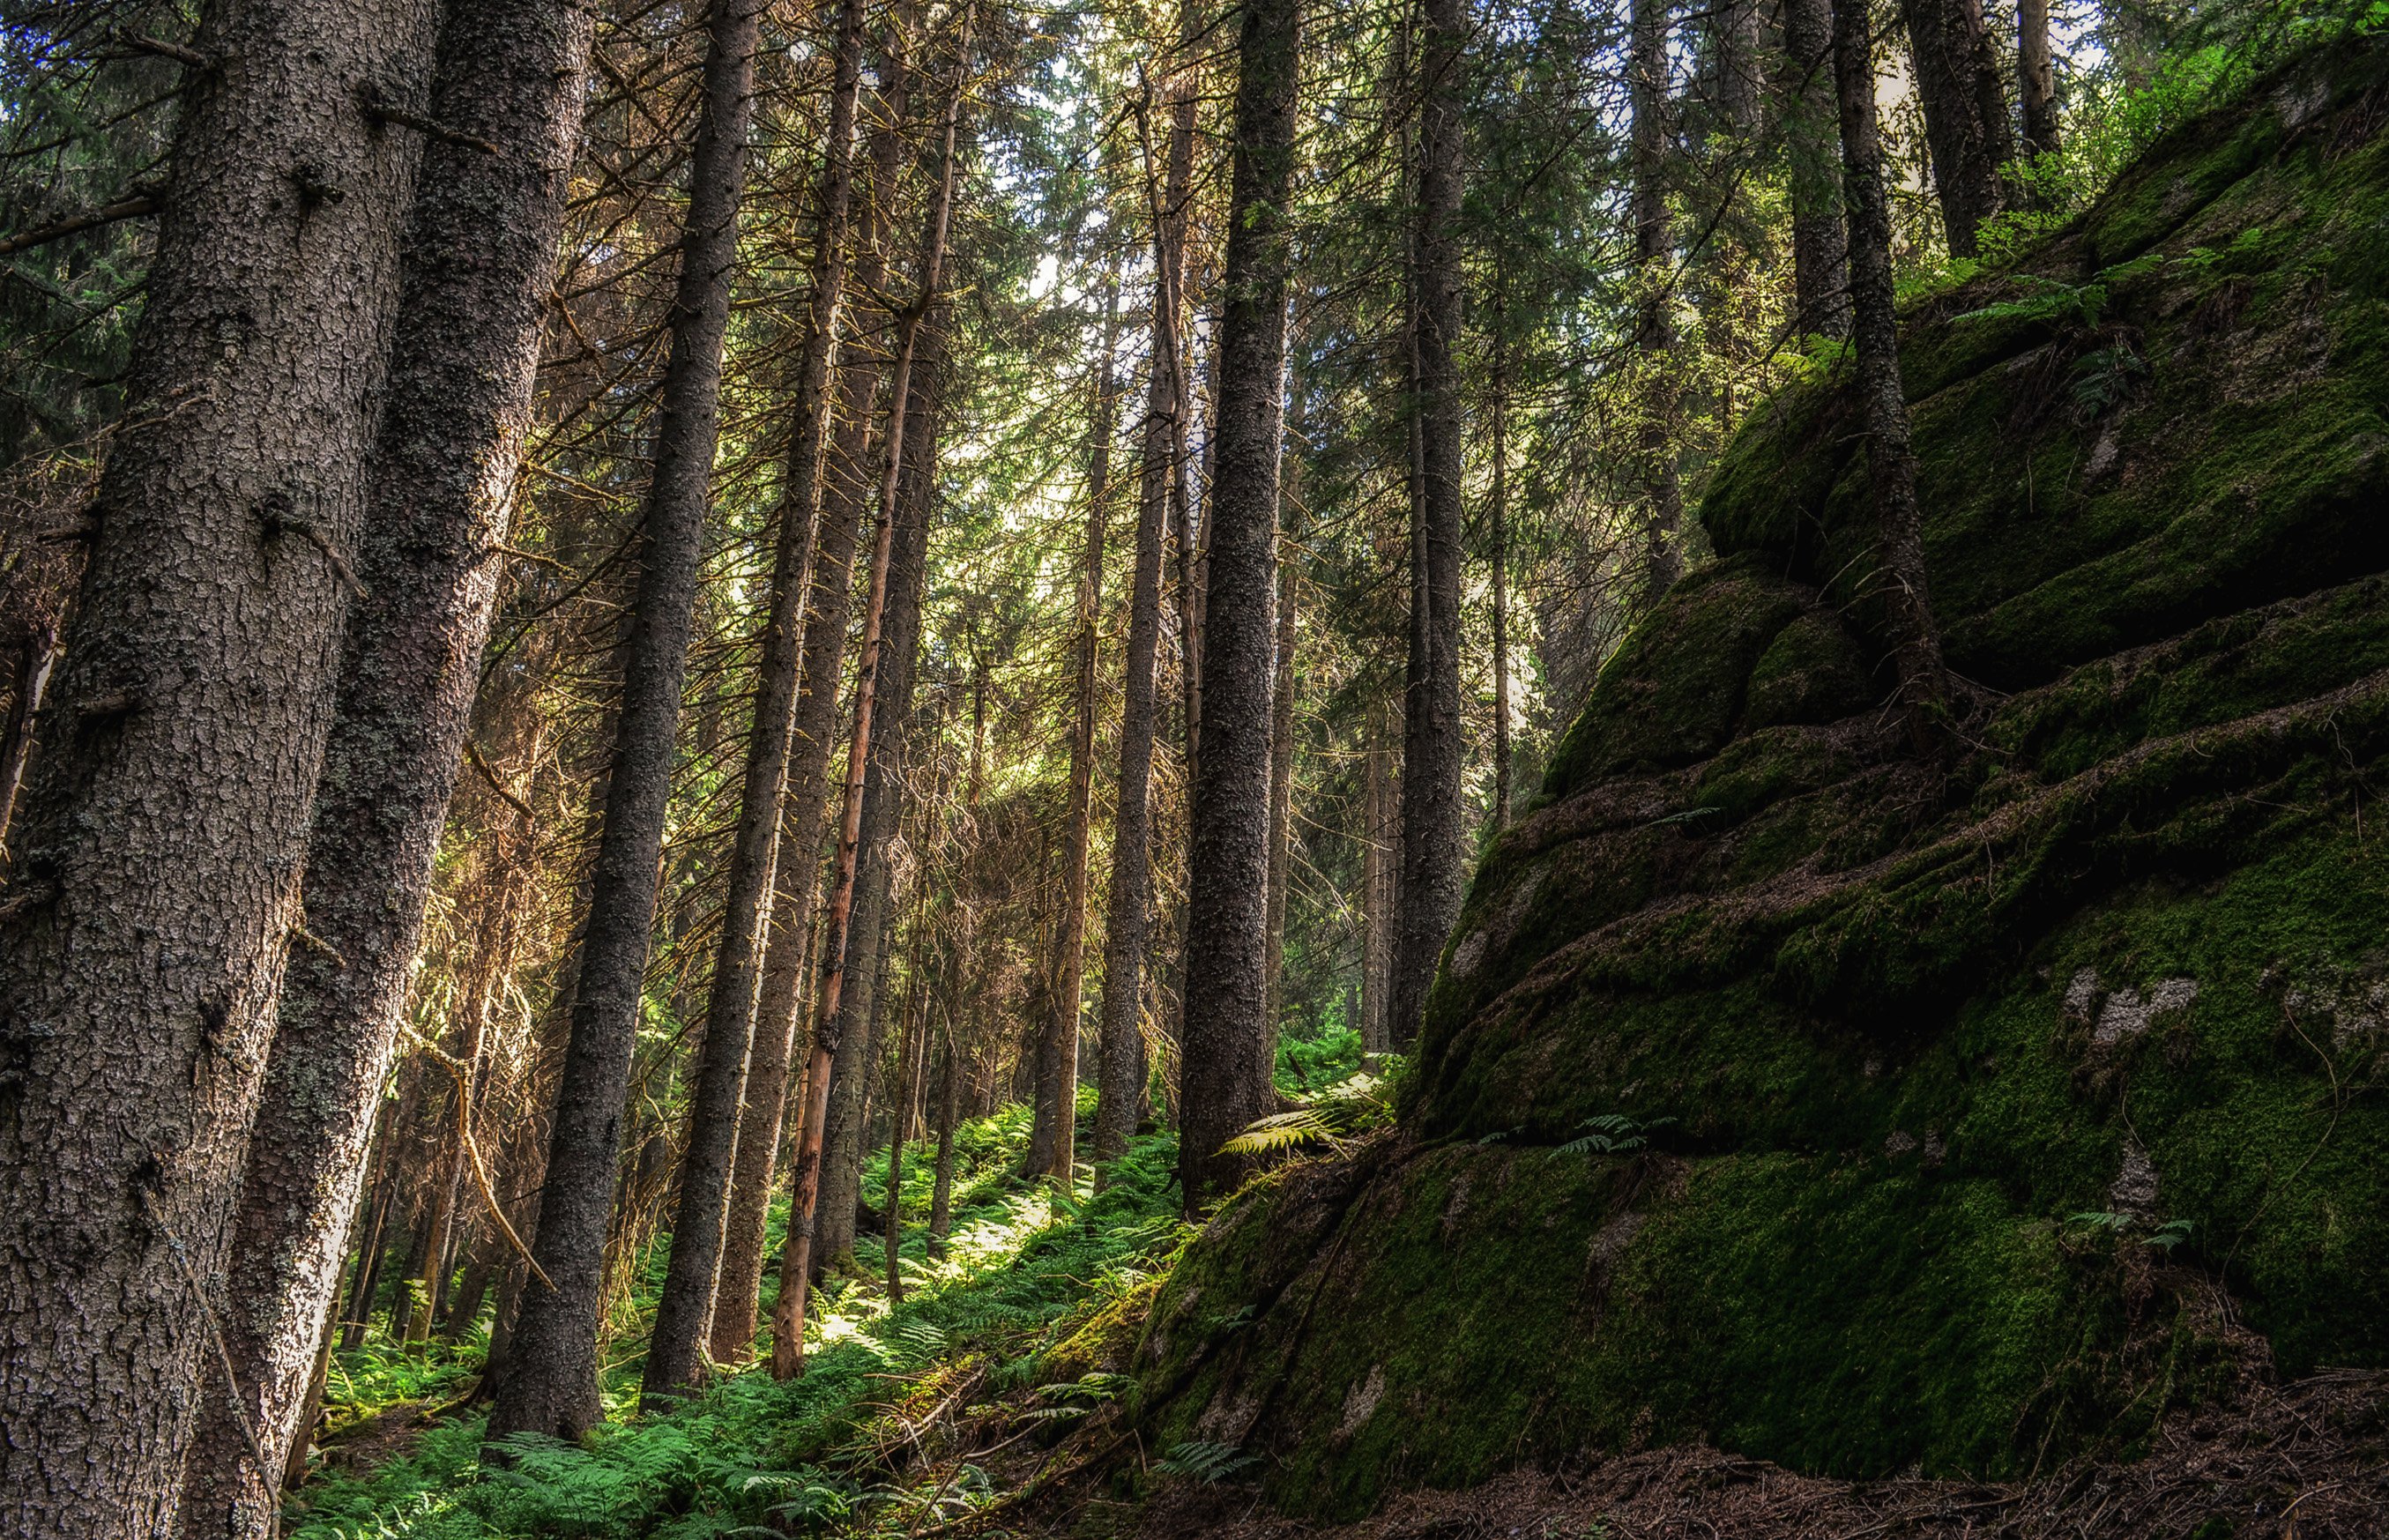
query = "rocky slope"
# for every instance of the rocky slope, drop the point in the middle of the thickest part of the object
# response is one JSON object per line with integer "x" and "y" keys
{"x": 1969, "y": 1117}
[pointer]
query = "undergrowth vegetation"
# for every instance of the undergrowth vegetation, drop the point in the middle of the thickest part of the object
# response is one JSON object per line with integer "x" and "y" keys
{"x": 1025, "y": 1268}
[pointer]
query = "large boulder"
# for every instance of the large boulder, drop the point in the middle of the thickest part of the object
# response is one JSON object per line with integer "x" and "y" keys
{"x": 1864, "y": 1115}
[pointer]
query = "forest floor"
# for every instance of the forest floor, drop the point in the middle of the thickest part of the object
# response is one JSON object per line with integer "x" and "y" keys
{"x": 990, "y": 1401}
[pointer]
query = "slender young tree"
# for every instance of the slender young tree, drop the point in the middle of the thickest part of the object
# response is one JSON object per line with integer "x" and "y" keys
{"x": 1119, "y": 1078}
{"x": 1497, "y": 518}
{"x": 1282, "y": 689}
{"x": 1227, "y": 1048}
{"x": 1052, "y": 1141}
{"x": 1434, "y": 859}
{"x": 549, "y": 1382}
{"x": 1891, "y": 464}
{"x": 1380, "y": 862}
{"x": 154, "y": 897}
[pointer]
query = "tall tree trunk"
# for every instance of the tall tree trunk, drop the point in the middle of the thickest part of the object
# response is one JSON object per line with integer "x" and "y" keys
{"x": 1734, "y": 38}
{"x": 1226, "y": 1052}
{"x": 1820, "y": 250}
{"x": 1434, "y": 848}
{"x": 796, "y": 1265}
{"x": 17, "y": 748}
{"x": 1966, "y": 128}
{"x": 1282, "y": 688}
{"x": 2036, "y": 79}
{"x": 1655, "y": 328}
{"x": 1379, "y": 861}
{"x": 1127, "y": 928}
{"x": 550, "y": 1379}
{"x": 950, "y": 1097}
{"x": 847, "y": 493}
{"x": 676, "y": 1350}
{"x": 1052, "y": 1142}
{"x": 1498, "y": 514}
{"x": 1891, "y": 464}
{"x": 144, "y": 933}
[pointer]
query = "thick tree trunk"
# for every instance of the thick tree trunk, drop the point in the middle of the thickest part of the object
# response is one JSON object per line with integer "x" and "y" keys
{"x": 796, "y": 1263}
{"x": 1820, "y": 250}
{"x": 1120, "y": 1075}
{"x": 676, "y": 1356}
{"x": 1655, "y": 328}
{"x": 2036, "y": 79}
{"x": 1226, "y": 1052}
{"x": 1734, "y": 37}
{"x": 155, "y": 893}
{"x": 1433, "y": 844}
{"x": 1966, "y": 128}
{"x": 1891, "y": 464}
{"x": 550, "y": 1379}
{"x": 1052, "y": 1142}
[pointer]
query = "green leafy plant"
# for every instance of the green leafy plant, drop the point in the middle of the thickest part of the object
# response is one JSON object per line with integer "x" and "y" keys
{"x": 1207, "y": 1463}
{"x": 1611, "y": 1134}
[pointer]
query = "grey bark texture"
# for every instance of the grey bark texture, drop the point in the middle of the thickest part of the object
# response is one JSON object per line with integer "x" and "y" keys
{"x": 550, "y": 1377}
{"x": 1433, "y": 872}
{"x": 2036, "y": 79}
{"x": 1227, "y": 1046}
{"x": 478, "y": 270}
{"x": 155, "y": 893}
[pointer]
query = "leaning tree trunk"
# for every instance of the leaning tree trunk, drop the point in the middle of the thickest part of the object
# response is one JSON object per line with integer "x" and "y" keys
{"x": 1052, "y": 1141}
{"x": 1120, "y": 1073}
{"x": 155, "y": 895}
{"x": 1966, "y": 130}
{"x": 1433, "y": 872}
{"x": 845, "y": 495}
{"x": 1891, "y": 464}
{"x": 550, "y": 1379}
{"x": 1227, "y": 1048}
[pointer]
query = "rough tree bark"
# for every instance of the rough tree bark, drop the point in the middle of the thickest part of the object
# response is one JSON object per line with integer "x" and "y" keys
{"x": 144, "y": 933}
{"x": 1053, "y": 1133}
{"x": 17, "y": 749}
{"x": 796, "y": 1262}
{"x": 1127, "y": 926}
{"x": 1226, "y": 1052}
{"x": 1966, "y": 130}
{"x": 1820, "y": 250}
{"x": 1891, "y": 464}
{"x": 1434, "y": 850}
{"x": 846, "y": 495}
{"x": 676, "y": 1356}
{"x": 550, "y": 1377}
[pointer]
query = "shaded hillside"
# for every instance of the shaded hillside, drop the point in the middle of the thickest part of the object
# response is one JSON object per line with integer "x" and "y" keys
{"x": 1864, "y": 1115}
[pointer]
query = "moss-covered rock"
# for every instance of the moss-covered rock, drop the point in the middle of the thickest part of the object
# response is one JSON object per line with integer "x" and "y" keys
{"x": 1860, "y": 1114}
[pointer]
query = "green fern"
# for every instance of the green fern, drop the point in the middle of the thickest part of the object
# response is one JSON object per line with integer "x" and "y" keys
{"x": 1207, "y": 1463}
{"x": 1612, "y": 1134}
